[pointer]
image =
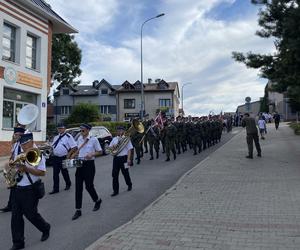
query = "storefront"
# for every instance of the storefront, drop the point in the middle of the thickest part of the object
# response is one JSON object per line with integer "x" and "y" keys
{"x": 26, "y": 29}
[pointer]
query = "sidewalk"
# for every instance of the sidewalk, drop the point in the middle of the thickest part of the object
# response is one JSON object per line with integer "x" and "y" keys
{"x": 225, "y": 202}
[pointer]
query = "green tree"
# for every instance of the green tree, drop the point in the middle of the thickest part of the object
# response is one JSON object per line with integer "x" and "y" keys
{"x": 279, "y": 20}
{"x": 83, "y": 113}
{"x": 66, "y": 59}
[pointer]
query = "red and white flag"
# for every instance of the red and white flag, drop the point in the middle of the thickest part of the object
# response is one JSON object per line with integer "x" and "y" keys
{"x": 159, "y": 120}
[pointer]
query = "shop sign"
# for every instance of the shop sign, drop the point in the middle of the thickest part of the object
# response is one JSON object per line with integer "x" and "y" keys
{"x": 10, "y": 75}
{"x": 29, "y": 80}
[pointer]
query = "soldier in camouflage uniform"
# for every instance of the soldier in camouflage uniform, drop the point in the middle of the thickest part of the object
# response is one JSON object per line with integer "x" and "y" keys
{"x": 153, "y": 139}
{"x": 146, "y": 124}
{"x": 170, "y": 134}
{"x": 179, "y": 134}
{"x": 135, "y": 140}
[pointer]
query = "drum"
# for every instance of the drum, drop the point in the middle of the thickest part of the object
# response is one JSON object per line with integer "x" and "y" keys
{"x": 72, "y": 163}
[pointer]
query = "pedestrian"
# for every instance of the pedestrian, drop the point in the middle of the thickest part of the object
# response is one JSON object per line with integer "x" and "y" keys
{"x": 63, "y": 146}
{"x": 262, "y": 127}
{"x": 252, "y": 135}
{"x": 24, "y": 198}
{"x": 88, "y": 148}
{"x": 122, "y": 161}
{"x": 276, "y": 118}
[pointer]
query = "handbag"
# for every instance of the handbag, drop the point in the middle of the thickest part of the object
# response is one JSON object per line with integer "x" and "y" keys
{"x": 38, "y": 187}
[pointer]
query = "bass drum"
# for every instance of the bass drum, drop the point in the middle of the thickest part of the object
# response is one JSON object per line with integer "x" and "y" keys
{"x": 72, "y": 163}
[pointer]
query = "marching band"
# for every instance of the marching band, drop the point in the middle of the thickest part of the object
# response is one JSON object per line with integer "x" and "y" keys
{"x": 27, "y": 162}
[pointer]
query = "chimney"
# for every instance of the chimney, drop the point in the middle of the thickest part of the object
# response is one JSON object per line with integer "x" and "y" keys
{"x": 149, "y": 80}
{"x": 157, "y": 80}
{"x": 95, "y": 83}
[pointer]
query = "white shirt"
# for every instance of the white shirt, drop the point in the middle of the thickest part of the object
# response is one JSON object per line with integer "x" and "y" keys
{"x": 125, "y": 150}
{"x": 64, "y": 145}
{"x": 261, "y": 124}
{"x": 91, "y": 146}
{"x": 24, "y": 181}
{"x": 15, "y": 149}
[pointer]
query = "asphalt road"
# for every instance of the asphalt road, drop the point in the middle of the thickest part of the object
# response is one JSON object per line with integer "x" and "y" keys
{"x": 150, "y": 180}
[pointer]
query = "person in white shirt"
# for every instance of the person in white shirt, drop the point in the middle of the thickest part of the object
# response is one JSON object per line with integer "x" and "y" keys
{"x": 262, "y": 127}
{"x": 15, "y": 150}
{"x": 124, "y": 156}
{"x": 88, "y": 148}
{"x": 63, "y": 146}
{"x": 24, "y": 199}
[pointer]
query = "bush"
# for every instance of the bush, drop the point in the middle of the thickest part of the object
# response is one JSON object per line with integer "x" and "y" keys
{"x": 296, "y": 127}
{"x": 83, "y": 113}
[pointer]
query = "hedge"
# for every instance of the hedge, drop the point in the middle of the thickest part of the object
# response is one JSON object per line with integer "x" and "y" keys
{"x": 296, "y": 127}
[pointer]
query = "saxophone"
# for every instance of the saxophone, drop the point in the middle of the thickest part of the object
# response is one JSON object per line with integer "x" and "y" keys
{"x": 31, "y": 156}
{"x": 136, "y": 126}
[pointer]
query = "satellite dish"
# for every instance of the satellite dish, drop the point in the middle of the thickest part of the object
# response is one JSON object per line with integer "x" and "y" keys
{"x": 27, "y": 116}
{"x": 248, "y": 99}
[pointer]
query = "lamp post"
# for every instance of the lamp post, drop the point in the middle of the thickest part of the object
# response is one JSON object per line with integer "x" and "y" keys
{"x": 182, "y": 94}
{"x": 142, "y": 86}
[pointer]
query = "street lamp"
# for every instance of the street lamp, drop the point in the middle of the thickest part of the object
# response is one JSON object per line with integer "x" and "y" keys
{"x": 182, "y": 94}
{"x": 142, "y": 86}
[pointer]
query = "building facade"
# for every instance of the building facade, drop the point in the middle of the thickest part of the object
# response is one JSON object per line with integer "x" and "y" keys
{"x": 160, "y": 95}
{"x": 26, "y": 29}
{"x": 102, "y": 94}
{"x": 253, "y": 108}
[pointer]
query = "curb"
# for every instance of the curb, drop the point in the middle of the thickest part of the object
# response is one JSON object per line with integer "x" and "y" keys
{"x": 106, "y": 236}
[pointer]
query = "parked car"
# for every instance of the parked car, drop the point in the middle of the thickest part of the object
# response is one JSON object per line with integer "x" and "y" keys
{"x": 100, "y": 132}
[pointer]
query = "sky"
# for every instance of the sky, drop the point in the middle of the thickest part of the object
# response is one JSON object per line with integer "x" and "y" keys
{"x": 192, "y": 43}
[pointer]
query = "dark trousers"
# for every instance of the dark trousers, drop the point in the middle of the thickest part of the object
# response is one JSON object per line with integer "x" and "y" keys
{"x": 250, "y": 139}
{"x": 57, "y": 167}
{"x": 118, "y": 164}
{"x": 86, "y": 174}
{"x": 276, "y": 124}
{"x": 24, "y": 202}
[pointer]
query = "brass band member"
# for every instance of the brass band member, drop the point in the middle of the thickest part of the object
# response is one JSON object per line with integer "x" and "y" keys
{"x": 63, "y": 146}
{"x": 15, "y": 150}
{"x": 124, "y": 156}
{"x": 88, "y": 148}
{"x": 24, "y": 199}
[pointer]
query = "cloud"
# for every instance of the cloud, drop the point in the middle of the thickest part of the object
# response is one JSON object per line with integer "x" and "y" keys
{"x": 186, "y": 45}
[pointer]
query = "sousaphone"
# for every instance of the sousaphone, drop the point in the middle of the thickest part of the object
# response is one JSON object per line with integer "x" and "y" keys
{"x": 28, "y": 115}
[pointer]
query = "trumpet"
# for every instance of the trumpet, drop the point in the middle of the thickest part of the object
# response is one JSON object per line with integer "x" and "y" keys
{"x": 46, "y": 149}
{"x": 31, "y": 157}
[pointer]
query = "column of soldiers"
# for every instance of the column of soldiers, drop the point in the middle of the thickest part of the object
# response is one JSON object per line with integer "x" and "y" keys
{"x": 177, "y": 136}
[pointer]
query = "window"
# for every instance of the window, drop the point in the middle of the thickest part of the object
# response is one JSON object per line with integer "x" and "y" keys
{"x": 104, "y": 109}
{"x": 164, "y": 103}
{"x": 65, "y": 91}
{"x": 9, "y": 43}
{"x": 13, "y": 101}
{"x": 65, "y": 110}
{"x": 31, "y": 47}
{"x": 129, "y": 103}
{"x": 104, "y": 91}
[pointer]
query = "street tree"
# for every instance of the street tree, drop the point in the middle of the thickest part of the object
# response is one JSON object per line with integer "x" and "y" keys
{"x": 279, "y": 20}
{"x": 66, "y": 59}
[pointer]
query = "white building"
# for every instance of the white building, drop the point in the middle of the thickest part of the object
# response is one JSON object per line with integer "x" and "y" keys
{"x": 26, "y": 29}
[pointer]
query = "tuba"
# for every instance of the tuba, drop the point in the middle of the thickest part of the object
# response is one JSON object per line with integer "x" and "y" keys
{"x": 32, "y": 157}
{"x": 28, "y": 115}
{"x": 136, "y": 126}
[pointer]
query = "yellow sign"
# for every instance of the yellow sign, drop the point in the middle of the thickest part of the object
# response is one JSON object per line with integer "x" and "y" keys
{"x": 29, "y": 80}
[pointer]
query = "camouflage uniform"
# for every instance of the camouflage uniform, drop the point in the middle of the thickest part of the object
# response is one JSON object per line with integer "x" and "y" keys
{"x": 170, "y": 131}
{"x": 153, "y": 139}
{"x": 135, "y": 140}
